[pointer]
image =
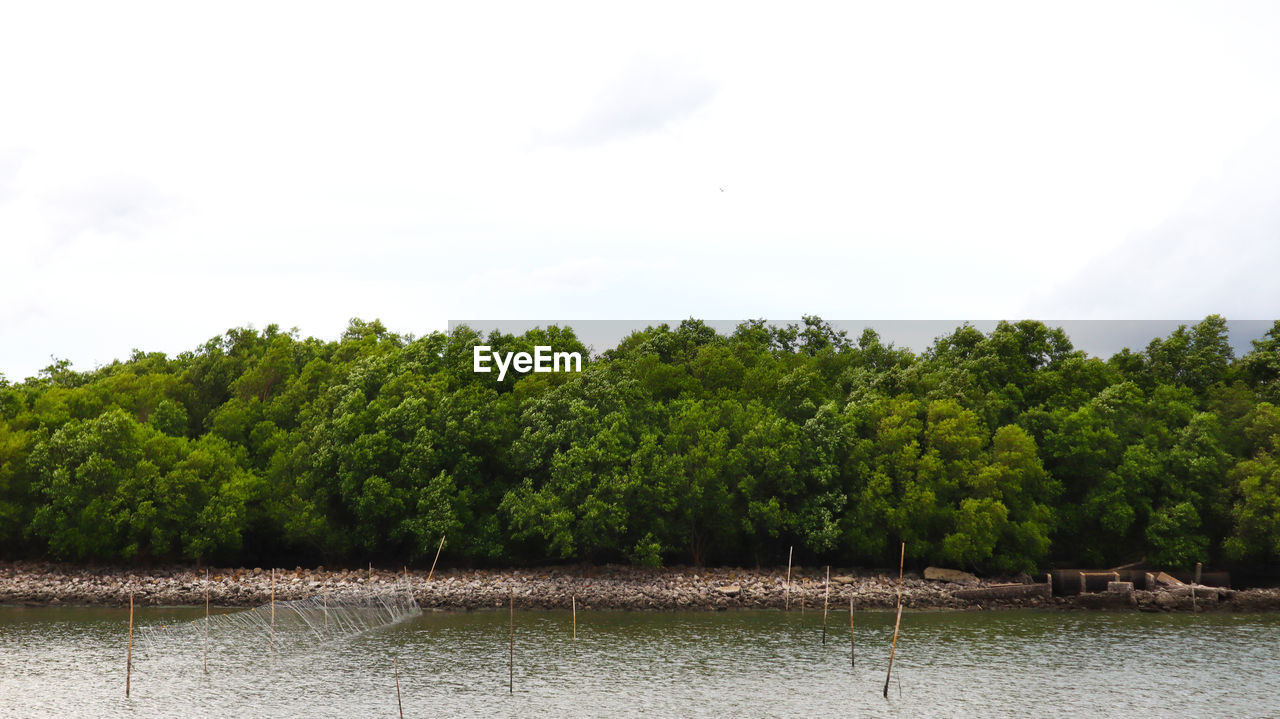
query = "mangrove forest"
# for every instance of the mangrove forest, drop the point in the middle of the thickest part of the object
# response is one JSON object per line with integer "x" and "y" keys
{"x": 999, "y": 452}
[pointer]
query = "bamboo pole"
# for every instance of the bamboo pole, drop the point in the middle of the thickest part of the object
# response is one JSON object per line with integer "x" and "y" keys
{"x": 206, "y": 621}
{"x": 853, "y": 659}
{"x": 396, "y": 667}
{"x": 511, "y": 646}
{"x": 433, "y": 562}
{"x": 574, "y": 599}
{"x": 273, "y": 609}
{"x": 128, "y": 657}
{"x": 902, "y": 558}
{"x": 1194, "y": 582}
{"x": 826, "y": 601}
{"x": 788, "y": 600}
{"x": 897, "y": 622}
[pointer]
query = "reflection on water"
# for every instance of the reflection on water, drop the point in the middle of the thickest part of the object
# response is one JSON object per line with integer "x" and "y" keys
{"x": 69, "y": 662}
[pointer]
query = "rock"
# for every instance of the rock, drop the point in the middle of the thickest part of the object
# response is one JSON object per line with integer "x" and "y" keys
{"x": 1203, "y": 594}
{"x": 1116, "y": 600}
{"x": 941, "y": 574}
{"x": 843, "y": 579}
{"x": 730, "y": 590}
{"x": 1119, "y": 586}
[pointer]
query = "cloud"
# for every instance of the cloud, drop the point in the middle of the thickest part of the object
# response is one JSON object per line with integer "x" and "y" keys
{"x": 10, "y": 163}
{"x": 646, "y": 97}
{"x": 119, "y": 206}
{"x": 1218, "y": 254}
{"x": 572, "y": 276}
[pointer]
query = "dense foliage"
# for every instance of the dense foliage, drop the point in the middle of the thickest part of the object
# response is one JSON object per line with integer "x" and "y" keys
{"x": 999, "y": 452}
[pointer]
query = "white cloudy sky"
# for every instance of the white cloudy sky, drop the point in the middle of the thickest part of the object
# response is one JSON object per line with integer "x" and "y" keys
{"x": 167, "y": 173}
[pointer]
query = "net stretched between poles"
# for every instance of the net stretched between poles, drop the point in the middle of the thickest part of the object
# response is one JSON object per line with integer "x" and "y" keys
{"x": 296, "y": 624}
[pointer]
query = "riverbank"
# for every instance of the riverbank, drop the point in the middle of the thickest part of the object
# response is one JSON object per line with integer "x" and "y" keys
{"x": 602, "y": 587}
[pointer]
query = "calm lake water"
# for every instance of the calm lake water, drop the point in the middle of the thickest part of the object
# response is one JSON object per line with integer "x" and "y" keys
{"x": 69, "y": 662}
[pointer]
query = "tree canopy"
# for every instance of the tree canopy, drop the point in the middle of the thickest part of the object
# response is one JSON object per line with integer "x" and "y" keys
{"x": 1000, "y": 452}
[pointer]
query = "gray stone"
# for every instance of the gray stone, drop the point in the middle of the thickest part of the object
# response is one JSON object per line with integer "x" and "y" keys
{"x": 941, "y": 574}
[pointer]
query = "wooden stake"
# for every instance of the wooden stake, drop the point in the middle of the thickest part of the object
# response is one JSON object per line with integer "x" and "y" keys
{"x": 128, "y": 657}
{"x": 396, "y": 667}
{"x": 788, "y": 600}
{"x": 1193, "y": 587}
{"x": 902, "y": 558}
{"x": 206, "y": 621}
{"x": 853, "y": 659}
{"x": 433, "y": 562}
{"x": 511, "y": 647}
{"x": 897, "y": 622}
{"x": 575, "y": 617}
{"x": 826, "y": 600}
{"x": 273, "y": 609}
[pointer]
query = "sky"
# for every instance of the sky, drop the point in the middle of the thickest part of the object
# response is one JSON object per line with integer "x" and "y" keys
{"x": 169, "y": 171}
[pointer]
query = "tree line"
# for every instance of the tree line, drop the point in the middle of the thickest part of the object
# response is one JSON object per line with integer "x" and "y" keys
{"x": 1000, "y": 452}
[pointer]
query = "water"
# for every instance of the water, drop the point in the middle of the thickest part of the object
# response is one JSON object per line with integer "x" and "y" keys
{"x": 69, "y": 662}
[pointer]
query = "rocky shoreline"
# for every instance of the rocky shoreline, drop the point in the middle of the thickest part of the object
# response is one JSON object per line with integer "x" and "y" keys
{"x": 600, "y": 587}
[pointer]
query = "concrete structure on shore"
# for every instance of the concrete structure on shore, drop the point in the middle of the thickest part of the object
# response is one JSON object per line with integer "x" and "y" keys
{"x": 602, "y": 587}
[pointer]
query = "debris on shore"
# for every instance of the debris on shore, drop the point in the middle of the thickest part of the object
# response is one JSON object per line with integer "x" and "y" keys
{"x": 596, "y": 587}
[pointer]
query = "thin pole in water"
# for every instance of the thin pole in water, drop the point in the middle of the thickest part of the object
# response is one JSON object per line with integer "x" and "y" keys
{"x": 788, "y": 590}
{"x": 897, "y": 622}
{"x": 273, "y": 609}
{"x": 1193, "y": 587}
{"x": 128, "y": 657}
{"x": 396, "y": 667}
{"x": 206, "y": 621}
{"x": 575, "y": 617}
{"x": 433, "y": 562}
{"x": 511, "y": 646}
{"x": 853, "y": 659}
{"x": 826, "y": 600}
{"x": 902, "y": 558}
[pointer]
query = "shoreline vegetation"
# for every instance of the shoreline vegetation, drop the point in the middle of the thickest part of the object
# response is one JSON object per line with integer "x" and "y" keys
{"x": 1002, "y": 452}
{"x": 597, "y": 587}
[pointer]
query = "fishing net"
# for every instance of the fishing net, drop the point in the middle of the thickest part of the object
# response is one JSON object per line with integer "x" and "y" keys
{"x": 284, "y": 626}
